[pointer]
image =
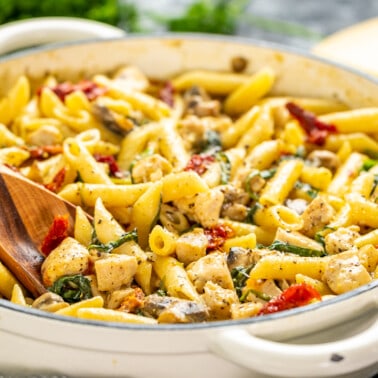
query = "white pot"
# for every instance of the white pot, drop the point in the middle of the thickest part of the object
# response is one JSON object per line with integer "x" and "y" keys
{"x": 33, "y": 341}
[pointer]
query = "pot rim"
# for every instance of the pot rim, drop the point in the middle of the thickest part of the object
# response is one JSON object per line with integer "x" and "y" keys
{"x": 248, "y": 41}
{"x": 213, "y": 324}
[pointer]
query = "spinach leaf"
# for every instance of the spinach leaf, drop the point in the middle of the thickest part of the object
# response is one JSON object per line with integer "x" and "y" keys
{"x": 72, "y": 288}
{"x": 239, "y": 275}
{"x": 278, "y": 245}
{"x": 225, "y": 165}
{"x": 108, "y": 247}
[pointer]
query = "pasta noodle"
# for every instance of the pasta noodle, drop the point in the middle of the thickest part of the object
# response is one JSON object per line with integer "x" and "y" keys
{"x": 199, "y": 198}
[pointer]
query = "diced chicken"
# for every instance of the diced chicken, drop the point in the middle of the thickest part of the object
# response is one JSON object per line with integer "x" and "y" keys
{"x": 70, "y": 257}
{"x": 323, "y": 158}
{"x": 126, "y": 300}
{"x": 115, "y": 298}
{"x": 235, "y": 203}
{"x": 45, "y": 135}
{"x": 213, "y": 267}
{"x": 151, "y": 168}
{"x": 344, "y": 272}
{"x": 219, "y": 301}
{"x": 265, "y": 287}
{"x": 368, "y": 256}
{"x": 197, "y": 102}
{"x": 192, "y": 130}
{"x": 317, "y": 215}
{"x": 174, "y": 310}
{"x": 191, "y": 246}
{"x": 203, "y": 208}
{"x": 115, "y": 271}
{"x": 341, "y": 240}
{"x": 131, "y": 77}
{"x": 245, "y": 310}
{"x": 298, "y": 205}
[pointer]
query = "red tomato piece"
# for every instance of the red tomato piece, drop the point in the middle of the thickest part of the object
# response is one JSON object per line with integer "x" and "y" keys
{"x": 199, "y": 163}
{"x": 44, "y": 152}
{"x": 112, "y": 163}
{"x": 217, "y": 235}
{"x": 316, "y": 130}
{"x": 57, "y": 181}
{"x": 57, "y": 233}
{"x": 166, "y": 94}
{"x": 89, "y": 88}
{"x": 294, "y": 296}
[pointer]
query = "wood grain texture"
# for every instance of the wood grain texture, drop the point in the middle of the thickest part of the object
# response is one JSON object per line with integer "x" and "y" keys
{"x": 27, "y": 211}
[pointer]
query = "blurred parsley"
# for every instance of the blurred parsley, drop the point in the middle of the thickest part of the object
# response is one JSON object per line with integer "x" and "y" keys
{"x": 98, "y": 10}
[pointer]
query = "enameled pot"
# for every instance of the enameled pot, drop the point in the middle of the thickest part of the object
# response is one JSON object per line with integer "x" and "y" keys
{"x": 330, "y": 338}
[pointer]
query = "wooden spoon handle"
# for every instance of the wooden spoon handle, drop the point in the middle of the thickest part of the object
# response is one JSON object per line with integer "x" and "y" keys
{"x": 17, "y": 250}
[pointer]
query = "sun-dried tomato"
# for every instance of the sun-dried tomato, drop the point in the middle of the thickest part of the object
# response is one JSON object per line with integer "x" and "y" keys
{"x": 294, "y": 296}
{"x": 112, "y": 164}
{"x": 133, "y": 301}
{"x": 199, "y": 163}
{"x": 58, "y": 231}
{"x": 44, "y": 152}
{"x": 316, "y": 130}
{"x": 217, "y": 235}
{"x": 57, "y": 182}
{"x": 89, "y": 88}
{"x": 166, "y": 93}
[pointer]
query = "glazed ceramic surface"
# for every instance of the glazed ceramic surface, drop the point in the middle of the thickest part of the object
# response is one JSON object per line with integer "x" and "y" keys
{"x": 296, "y": 343}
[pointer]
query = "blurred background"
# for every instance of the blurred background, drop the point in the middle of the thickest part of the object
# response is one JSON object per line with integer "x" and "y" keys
{"x": 301, "y": 23}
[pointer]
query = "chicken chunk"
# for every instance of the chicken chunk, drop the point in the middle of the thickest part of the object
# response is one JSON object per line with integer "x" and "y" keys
{"x": 197, "y": 102}
{"x": 151, "y": 168}
{"x": 323, "y": 158}
{"x": 114, "y": 271}
{"x": 203, "y": 208}
{"x": 70, "y": 257}
{"x": 45, "y": 135}
{"x": 213, "y": 267}
{"x": 317, "y": 215}
{"x": 344, "y": 272}
{"x": 341, "y": 240}
{"x": 245, "y": 310}
{"x": 191, "y": 246}
{"x": 219, "y": 301}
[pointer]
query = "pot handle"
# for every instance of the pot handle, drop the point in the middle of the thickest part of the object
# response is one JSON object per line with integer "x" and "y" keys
{"x": 28, "y": 33}
{"x": 294, "y": 360}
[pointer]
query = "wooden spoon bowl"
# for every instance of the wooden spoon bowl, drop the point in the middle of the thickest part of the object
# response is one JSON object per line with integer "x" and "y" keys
{"x": 27, "y": 211}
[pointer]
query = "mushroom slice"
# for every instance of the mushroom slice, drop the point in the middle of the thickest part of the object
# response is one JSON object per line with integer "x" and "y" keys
{"x": 116, "y": 123}
{"x": 174, "y": 310}
{"x": 50, "y": 302}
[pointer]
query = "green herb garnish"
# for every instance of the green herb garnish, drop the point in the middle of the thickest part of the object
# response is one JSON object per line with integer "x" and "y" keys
{"x": 212, "y": 142}
{"x": 217, "y": 16}
{"x": 259, "y": 294}
{"x": 307, "y": 188}
{"x": 225, "y": 166}
{"x": 73, "y": 288}
{"x": 251, "y": 213}
{"x": 281, "y": 246}
{"x": 108, "y": 247}
{"x": 369, "y": 163}
{"x": 239, "y": 275}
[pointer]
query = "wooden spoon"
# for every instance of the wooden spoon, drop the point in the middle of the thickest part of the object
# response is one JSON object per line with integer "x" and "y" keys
{"x": 27, "y": 211}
